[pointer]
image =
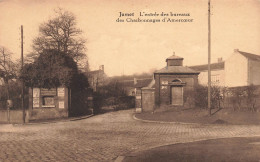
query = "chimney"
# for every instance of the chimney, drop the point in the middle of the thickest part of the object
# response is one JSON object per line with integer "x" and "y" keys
{"x": 220, "y": 60}
{"x": 236, "y": 50}
{"x": 101, "y": 67}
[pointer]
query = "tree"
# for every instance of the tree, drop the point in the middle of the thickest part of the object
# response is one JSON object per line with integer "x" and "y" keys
{"x": 51, "y": 69}
{"x": 60, "y": 33}
{"x": 8, "y": 69}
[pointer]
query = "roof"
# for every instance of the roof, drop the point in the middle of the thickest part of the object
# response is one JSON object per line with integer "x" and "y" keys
{"x": 127, "y": 83}
{"x": 143, "y": 83}
{"x": 250, "y": 56}
{"x": 214, "y": 66}
{"x": 95, "y": 72}
{"x": 176, "y": 70}
{"x": 173, "y": 57}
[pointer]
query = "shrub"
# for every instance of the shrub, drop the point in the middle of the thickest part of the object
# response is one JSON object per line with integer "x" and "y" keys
{"x": 201, "y": 96}
{"x": 244, "y": 98}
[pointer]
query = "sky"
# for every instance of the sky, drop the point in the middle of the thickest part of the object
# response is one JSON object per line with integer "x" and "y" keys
{"x": 126, "y": 48}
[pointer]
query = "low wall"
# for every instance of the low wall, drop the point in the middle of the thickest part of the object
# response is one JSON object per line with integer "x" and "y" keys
{"x": 16, "y": 116}
{"x": 48, "y": 113}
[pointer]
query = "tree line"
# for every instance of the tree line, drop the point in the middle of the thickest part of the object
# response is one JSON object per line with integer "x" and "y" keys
{"x": 57, "y": 56}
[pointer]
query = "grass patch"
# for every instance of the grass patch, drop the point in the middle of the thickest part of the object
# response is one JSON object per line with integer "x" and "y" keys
{"x": 222, "y": 116}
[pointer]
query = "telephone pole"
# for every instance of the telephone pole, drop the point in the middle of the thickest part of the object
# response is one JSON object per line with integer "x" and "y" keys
{"x": 21, "y": 71}
{"x": 209, "y": 59}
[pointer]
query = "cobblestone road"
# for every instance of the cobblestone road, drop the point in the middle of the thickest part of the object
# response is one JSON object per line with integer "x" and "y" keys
{"x": 103, "y": 137}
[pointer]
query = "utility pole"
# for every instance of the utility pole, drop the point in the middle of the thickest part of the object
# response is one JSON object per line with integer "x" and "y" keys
{"x": 21, "y": 71}
{"x": 209, "y": 59}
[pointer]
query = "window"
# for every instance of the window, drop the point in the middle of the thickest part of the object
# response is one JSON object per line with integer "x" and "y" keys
{"x": 215, "y": 79}
{"x": 48, "y": 101}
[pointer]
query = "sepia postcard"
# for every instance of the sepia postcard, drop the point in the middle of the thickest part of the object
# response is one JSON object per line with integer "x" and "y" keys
{"x": 129, "y": 80}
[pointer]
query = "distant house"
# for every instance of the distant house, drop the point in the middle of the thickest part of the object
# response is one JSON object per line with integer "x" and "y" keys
{"x": 217, "y": 73}
{"x": 96, "y": 78}
{"x": 133, "y": 86}
{"x": 240, "y": 69}
{"x": 140, "y": 83}
{"x": 128, "y": 86}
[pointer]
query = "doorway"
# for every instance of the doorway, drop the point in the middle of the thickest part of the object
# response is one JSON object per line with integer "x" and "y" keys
{"x": 177, "y": 95}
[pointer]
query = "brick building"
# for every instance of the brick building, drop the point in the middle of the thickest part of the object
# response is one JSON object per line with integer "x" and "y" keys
{"x": 173, "y": 82}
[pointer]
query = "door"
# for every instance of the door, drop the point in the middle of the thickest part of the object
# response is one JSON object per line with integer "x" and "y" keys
{"x": 177, "y": 95}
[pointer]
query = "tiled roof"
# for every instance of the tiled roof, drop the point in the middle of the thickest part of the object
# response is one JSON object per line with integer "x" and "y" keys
{"x": 127, "y": 83}
{"x": 177, "y": 70}
{"x": 214, "y": 66}
{"x": 143, "y": 83}
{"x": 250, "y": 56}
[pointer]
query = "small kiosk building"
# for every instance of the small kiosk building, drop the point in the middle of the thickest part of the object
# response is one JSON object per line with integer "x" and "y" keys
{"x": 173, "y": 82}
{"x": 48, "y": 103}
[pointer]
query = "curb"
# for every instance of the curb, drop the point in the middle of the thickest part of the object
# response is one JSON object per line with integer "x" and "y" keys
{"x": 119, "y": 159}
{"x": 183, "y": 123}
{"x": 164, "y": 122}
{"x": 58, "y": 121}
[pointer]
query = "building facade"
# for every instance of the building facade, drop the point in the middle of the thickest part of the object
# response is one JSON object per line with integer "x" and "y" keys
{"x": 48, "y": 103}
{"x": 240, "y": 69}
{"x": 173, "y": 82}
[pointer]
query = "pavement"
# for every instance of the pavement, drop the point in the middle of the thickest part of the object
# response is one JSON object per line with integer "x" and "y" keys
{"x": 105, "y": 137}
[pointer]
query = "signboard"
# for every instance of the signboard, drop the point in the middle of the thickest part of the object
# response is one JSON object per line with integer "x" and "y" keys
{"x": 36, "y": 102}
{"x": 48, "y": 92}
{"x": 61, "y": 92}
{"x": 61, "y": 104}
{"x": 163, "y": 87}
{"x": 36, "y": 92}
{"x": 137, "y": 97}
{"x": 48, "y": 101}
{"x": 164, "y": 82}
{"x": 36, "y": 97}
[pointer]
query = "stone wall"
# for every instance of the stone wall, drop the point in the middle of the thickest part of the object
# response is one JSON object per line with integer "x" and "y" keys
{"x": 13, "y": 116}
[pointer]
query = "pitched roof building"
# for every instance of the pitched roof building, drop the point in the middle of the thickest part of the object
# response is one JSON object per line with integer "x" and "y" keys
{"x": 173, "y": 81}
{"x": 240, "y": 69}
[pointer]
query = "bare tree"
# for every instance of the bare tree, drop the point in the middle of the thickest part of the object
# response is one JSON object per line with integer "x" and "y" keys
{"x": 60, "y": 33}
{"x": 8, "y": 69}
